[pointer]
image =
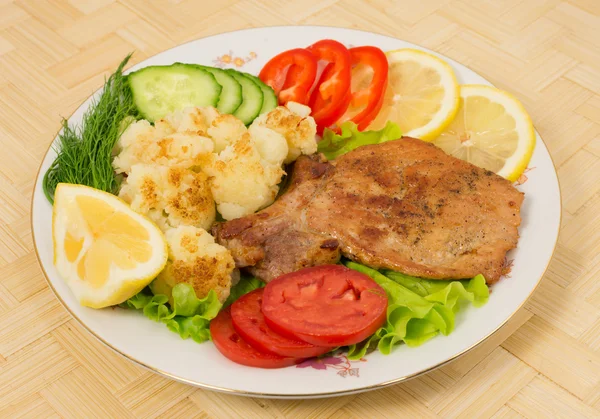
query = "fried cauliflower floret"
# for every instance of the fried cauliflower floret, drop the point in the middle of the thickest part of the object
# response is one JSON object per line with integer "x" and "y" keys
{"x": 170, "y": 196}
{"x": 175, "y": 140}
{"x": 297, "y": 127}
{"x": 225, "y": 130}
{"x": 222, "y": 129}
{"x": 195, "y": 259}
{"x": 191, "y": 120}
{"x": 242, "y": 182}
{"x": 270, "y": 144}
{"x": 244, "y": 166}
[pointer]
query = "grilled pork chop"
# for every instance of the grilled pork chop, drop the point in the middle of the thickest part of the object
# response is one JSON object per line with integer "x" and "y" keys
{"x": 403, "y": 205}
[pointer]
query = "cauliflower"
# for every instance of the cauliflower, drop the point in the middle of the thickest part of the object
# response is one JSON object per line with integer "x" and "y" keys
{"x": 178, "y": 139}
{"x": 182, "y": 138}
{"x": 225, "y": 130}
{"x": 170, "y": 196}
{"x": 206, "y": 122}
{"x": 191, "y": 120}
{"x": 244, "y": 166}
{"x": 294, "y": 123}
{"x": 195, "y": 259}
{"x": 242, "y": 182}
{"x": 271, "y": 145}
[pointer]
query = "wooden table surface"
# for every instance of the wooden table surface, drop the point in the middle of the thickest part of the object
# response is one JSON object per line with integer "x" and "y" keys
{"x": 544, "y": 363}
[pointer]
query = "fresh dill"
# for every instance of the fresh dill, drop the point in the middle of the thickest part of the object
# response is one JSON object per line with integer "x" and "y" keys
{"x": 84, "y": 153}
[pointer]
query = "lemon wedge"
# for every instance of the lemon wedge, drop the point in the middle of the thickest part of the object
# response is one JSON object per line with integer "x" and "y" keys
{"x": 421, "y": 96}
{"x": 104, "y": 251}
{"x": 491, "y": 130}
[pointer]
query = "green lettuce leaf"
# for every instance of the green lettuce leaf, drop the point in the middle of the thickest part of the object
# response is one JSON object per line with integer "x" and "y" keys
{"x": 246, "y": 285}
{"x": 190, "y": 316}
{"x": 196, "y": 327}
{"x": 138, "y": 301}
{"x": 188, "y": 305}
{"x": 418, "y": 309}
{"x": 334, "y": 145}
{"x": 157, "y": 308}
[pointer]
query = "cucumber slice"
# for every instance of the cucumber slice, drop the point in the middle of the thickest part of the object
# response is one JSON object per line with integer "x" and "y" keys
{"x": 160, "y": 90}
{"x": 231, "y": 95}
{"x": 270, "y": 98}
{"x": 252, "y": 98}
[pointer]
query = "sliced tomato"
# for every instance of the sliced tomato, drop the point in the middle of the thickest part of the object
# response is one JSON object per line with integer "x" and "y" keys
{"x": 275, "y": 73}
{"x": 249, "y": 322}
{"x": 327, "y": 305}
{"x": 329, "y": 98}
{"x": 234, "y": 347}
{"x": 366, "y": 102}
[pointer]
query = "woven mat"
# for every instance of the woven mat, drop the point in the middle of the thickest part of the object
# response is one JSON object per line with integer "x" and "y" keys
{"x": 544, "y": 363}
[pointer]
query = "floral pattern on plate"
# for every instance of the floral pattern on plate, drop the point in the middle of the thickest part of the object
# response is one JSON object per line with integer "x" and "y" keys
{"x": 231, "y": 60}
{"x": 337, "y": 361}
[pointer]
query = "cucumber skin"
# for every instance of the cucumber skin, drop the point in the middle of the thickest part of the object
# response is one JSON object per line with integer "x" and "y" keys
{"x": 220, "y": 70}
{"x": 247, "y": 120}
{"x": 142, "y": 114}
{"x": 270, "y": 101}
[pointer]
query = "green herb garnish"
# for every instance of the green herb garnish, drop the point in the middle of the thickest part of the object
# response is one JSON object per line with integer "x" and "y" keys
{"x": 84, "y": 154}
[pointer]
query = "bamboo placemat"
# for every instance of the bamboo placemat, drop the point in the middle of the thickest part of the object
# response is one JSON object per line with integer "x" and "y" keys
{"x": 544, "y": 363}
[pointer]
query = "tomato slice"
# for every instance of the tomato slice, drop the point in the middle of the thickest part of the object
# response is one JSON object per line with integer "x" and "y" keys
{"x": 234, "y": 347}
{"x": 366, "y": 102}
{"x": 249, "y": 322}
{"x": 329, "y": 100}
{"x": 327, "y": 305}
{"x": 274, "y": 74}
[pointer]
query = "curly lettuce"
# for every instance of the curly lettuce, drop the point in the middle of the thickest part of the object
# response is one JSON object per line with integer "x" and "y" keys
{"x": 246, "y": 285}
{"x": 334, "y": 145}
{"x": 418, "y": 309}
{"x": 190, "y": 316}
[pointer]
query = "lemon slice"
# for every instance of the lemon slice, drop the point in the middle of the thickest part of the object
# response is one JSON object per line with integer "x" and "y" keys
{"x": 105, "y": 252}
{"x": 421, "y": 96}
{"x": 491, "y": 130}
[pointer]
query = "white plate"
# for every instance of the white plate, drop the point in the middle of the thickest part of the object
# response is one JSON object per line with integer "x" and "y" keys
{"x": 155, "y": 347}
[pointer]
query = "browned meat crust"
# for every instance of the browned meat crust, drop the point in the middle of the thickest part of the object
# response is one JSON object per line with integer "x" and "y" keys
{"x": 403, "y": 205}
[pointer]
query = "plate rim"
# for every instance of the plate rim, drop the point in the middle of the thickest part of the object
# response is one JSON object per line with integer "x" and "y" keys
{"x": 279, "y": 395}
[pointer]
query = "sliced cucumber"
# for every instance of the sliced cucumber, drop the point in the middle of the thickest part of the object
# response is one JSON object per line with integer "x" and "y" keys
{"x": 270, "y": 98}
{"x": 231, "y": 95}
{"x": 252, "y": 98}
{"x": 160, "y": 90}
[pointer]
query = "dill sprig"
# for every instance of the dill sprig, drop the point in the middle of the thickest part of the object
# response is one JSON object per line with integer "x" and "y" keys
{"x": 84, "y": 153}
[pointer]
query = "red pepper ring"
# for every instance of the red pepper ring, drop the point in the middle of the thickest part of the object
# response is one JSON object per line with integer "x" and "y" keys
{"x": 368, "y": 118}
{"x": 294, "y": 74}
{"x": 328, "y": 100}
{"x": 274, "y": 74}
{"x": 316, "y": 102}
{"x": 372, "y": 97}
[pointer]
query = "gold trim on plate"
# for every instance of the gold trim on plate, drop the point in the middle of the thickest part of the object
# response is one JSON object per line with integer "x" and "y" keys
{"x": 277, "y": 395}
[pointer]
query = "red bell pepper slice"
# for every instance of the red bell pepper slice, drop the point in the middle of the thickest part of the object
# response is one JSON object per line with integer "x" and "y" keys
{"x": 371, "y": 98}
{"x": 275, "y": 72}
{"x": 295, "y": 73}
{"x": 330, "y": 98}
{"x": 333, "y": 111}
